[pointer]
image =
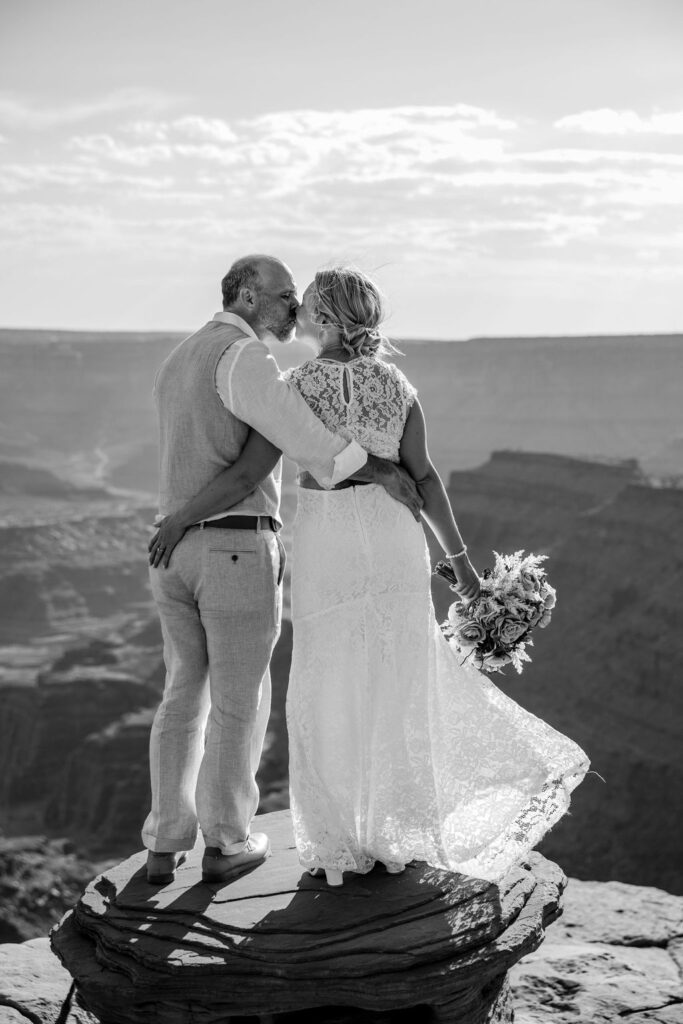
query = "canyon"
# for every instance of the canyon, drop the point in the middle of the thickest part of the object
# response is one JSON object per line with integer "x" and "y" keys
{"x": 80, "y": 404}
{"x": 80, "y": 647}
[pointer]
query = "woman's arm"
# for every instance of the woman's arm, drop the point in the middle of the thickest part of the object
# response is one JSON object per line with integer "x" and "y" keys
{"x": 436, "y": 508}
{"x": 255, "y": 462}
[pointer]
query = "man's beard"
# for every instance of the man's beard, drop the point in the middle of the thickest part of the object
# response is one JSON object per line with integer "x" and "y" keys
{"x": 286, "y": 331}
{"x": 281, "y": 330}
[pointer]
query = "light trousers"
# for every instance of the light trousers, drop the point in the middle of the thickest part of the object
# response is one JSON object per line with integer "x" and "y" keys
{"x": 220, "y": 607}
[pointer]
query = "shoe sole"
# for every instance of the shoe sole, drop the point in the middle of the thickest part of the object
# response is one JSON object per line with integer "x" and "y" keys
{"x": 169, "y": 876}
{"x": 232, "y": 873}
{"x": 160, "y": 879}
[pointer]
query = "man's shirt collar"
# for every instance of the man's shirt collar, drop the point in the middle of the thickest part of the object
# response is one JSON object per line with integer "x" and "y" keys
{"x": 225, "y": 317}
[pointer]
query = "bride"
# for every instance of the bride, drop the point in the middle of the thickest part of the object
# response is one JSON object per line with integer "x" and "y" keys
{"x": 398, "y": 751}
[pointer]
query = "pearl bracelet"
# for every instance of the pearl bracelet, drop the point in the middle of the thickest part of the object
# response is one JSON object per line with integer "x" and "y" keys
{"x": 463, "y": 552}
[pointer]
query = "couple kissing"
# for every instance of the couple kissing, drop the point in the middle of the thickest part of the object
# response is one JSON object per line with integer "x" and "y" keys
{"x": 398, "y": 752}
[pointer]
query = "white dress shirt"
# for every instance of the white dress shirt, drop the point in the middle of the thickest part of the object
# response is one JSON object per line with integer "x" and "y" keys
{"x": 249, "y": 384}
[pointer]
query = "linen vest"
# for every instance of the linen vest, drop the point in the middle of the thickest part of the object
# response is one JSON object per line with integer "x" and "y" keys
{"x": 198, "y": 436}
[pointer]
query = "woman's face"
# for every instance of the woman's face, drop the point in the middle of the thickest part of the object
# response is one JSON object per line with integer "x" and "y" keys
{"x": 305, "y": 327}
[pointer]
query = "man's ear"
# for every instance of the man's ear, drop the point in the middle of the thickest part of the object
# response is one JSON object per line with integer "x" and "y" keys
{"x": 247, "y": 297}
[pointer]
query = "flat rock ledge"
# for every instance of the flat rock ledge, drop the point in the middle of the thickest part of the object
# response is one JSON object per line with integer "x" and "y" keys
{"x": 616, "y": 955}
{"x": 34, "y": 986}
{"x": 279, "y": 945}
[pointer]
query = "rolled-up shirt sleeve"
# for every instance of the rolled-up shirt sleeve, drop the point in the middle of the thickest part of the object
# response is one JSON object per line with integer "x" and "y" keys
{"x": 249, "y": 384}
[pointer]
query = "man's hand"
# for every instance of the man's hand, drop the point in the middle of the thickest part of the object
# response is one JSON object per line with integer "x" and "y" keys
{"x": 398, "y": 483}
{"x": 163, "y": 542}
{"x": 468, "y": 584}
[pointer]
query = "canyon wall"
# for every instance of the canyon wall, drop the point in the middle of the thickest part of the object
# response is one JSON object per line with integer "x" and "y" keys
{"x": 80, "y": 649}
{"x": 81, "y": 404}
{"x": 74, "y": 728}
{"x": 605, "y": 672}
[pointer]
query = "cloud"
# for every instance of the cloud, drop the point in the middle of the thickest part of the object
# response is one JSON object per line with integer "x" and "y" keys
{"x": 16, "y": 178}
{"x": 446, "y": 183}
{"x": 201, "y": 129}
{"x": 285, "y": 152}
{"x": 105, "y": 147}
{"x": 606, "y": 121}
{"x": 23, "y": 115}
{"x": 204, "y": 129}
{"x": 595, "y": 157}
{"x": 62, "y": 226}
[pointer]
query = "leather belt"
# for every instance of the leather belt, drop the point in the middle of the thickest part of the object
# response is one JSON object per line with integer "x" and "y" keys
{"x": 242, "y": 523}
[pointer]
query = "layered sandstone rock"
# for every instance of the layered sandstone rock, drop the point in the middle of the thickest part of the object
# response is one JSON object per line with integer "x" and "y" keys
{"x": 279, "y": 941}
{"x": 66, "y": 567}
{"x": 74, "y": 736}
{"x": 103, "y": 789}
{"x": 35, "y": 987}
{"x": 616, "y": 954}
{"x": 45, "y": 723}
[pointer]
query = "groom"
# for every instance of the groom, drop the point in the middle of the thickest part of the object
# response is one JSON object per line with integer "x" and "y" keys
{"x": 219, "y": 597}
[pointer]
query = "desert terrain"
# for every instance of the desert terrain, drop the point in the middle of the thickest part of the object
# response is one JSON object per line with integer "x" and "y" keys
{"x": 572, "y": 447}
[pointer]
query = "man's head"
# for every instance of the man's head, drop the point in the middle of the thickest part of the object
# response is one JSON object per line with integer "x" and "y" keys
{"x": 262, "y": 291}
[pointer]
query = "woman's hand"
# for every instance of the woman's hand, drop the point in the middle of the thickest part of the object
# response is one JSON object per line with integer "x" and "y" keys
{"x": 163, "y": 542}
{"x": 468, "y": 584}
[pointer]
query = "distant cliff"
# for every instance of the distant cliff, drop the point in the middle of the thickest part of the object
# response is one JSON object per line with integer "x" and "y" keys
{"x": 606, "y": 670}
{"x": 42, "y": 725}
{"x": 74, "y": 746}
{"x": 81, "y": 403}
{"x": 30, "y": 482}
{"x": 78, "y": 405}
{"x": 64, "y": 568}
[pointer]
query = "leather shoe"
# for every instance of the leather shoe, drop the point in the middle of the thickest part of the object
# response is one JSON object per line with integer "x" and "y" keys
{"x": 221, "y": 867}
{"x": 161, "y": 866}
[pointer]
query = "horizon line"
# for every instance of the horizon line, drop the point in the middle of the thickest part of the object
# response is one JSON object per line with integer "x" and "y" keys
{"x": 85, "y": 331}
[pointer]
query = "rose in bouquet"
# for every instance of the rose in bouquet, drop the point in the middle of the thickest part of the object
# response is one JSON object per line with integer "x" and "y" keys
{"x": 495, "y": 629}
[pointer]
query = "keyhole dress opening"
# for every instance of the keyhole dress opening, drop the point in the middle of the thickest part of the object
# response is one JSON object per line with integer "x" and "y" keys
{"x": 346, "y": 385}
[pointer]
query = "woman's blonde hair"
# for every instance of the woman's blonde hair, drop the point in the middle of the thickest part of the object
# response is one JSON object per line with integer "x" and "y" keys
{"x": 346, "y": 298}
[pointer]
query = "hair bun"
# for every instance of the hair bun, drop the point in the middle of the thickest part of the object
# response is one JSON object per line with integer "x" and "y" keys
{"x": 353, "y": 304}
{"x": 363, "y": 339}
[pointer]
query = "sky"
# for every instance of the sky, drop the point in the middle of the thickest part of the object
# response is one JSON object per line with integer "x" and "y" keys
{"x": 507, "y": 167}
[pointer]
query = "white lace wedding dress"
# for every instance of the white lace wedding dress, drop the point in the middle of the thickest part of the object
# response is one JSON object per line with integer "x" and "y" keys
{"x": 398, "y": 752}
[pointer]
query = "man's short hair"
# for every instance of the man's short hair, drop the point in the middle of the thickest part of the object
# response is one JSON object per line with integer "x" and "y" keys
{"x": 244, "y": 273}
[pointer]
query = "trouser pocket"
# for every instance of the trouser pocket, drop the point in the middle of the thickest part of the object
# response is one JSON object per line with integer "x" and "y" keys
{"x": 237, "y": 573}
{"x": 283, "y": 559}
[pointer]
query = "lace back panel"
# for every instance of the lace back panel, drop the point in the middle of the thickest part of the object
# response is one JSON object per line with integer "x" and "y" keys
{"x": 365, "y": 400}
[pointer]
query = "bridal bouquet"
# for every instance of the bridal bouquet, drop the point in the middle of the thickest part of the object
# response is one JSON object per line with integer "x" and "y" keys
{"x": 495, "y": 629}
